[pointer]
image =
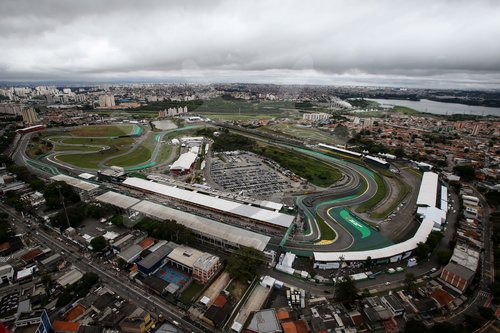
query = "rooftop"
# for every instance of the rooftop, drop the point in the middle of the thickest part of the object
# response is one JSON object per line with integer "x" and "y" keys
{"x": 70, "y": 277}
{"x": 75, "y": 182}
{"x": 459, "y": 270}
{"x": 117, "y": 199}
{"x": 185, "y": 255}
{"x": 206, "y": 226}
{"x": 156, "y": 256}
{"x": 427, "y": 195}
{"x": 206, "y": 261}
{"x": 264, "y": 321}
{"x": 210, "y": 202}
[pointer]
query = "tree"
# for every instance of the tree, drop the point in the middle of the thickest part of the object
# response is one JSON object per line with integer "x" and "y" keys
{"x": 466, "y": 172}
{"x": 434, "y": 239}
{"x": 415, "y": 326}
{"x": 445, "y": 327}
{"x": 244, "y": 263}
{"x": 369, "y": 261}
{"x": 98, "y": 243}
{"x": 345, "y": 290}
{"x": 422, "y": 251}
{"x": 399, "y": 152}
{"x": 76, "y": 214}
{"x": 6, "y": 231}
{"x": 443, "y": 256}
{"x": 486, "y": 313}
{"x": 53, "y": 197}
{"x": 410, "y": 282}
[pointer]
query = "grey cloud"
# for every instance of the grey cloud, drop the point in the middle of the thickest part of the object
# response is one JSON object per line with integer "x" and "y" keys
{"x": 226, "y": 40}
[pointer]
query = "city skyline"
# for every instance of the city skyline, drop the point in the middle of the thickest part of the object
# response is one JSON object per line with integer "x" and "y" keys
{"x": 430, "y": 44}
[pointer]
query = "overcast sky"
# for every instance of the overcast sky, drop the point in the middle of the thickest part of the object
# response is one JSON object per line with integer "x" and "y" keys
{"x": 413, "y": 43}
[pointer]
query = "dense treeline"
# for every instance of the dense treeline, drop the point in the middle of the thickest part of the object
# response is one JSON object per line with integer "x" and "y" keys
{"x": 159, "y": 106}
{"x": 77, "y": 290}
{"x": 167, "y": 230}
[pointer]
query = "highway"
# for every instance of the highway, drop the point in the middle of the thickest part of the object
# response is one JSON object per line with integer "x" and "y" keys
{"x": 118, "y": 283}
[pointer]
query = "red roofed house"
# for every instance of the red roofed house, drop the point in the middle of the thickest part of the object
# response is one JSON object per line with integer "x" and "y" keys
{"x": 60, "y": 326}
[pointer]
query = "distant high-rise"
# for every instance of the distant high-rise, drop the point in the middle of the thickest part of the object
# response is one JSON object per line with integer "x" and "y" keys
{"x": 106, "y": 101}
{"x": 316, "y": 116}
{"x": 29, "y": 115}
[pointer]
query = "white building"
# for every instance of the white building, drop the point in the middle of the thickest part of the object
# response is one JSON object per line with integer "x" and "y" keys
{"x": 106, "y": 101}
{"x": 317, "y": 116}
{"x": 6, "y": 273}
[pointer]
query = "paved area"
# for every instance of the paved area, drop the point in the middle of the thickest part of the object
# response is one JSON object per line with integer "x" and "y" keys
{"x": 254, "y": 303}
{"x": 217, "y": 286}
{"x": 248, "y": 174}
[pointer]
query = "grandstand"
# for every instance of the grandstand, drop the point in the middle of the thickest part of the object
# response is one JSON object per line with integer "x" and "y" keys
{"x": 205, "y": 230}
{"x": 340, "y": 150}
{"x": 247, "y": 213}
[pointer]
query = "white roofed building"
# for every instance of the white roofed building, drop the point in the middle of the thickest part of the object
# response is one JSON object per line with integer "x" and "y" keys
{"x": 184, "y": 163}
{"x": 249, "y": 213}
{"x": 205, "y": 230}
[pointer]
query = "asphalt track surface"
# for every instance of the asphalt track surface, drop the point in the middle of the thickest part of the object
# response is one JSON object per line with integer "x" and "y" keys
{"x": 332, "y": 205}
{"x": 49, "y": 164}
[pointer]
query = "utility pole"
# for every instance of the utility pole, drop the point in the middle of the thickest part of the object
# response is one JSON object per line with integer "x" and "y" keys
{"x": 64, "y": 205}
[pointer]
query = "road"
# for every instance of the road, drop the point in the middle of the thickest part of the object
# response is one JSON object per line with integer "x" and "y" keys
{"x": 117, "y": 283}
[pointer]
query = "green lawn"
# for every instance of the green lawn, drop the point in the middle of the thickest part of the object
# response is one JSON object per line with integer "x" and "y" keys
{"x": 102, "y": 130}
{"x": 140, "y": 155}
{"x": 165, "y": 151}
{"x": 314, "y": 170}
{"x": 79, "y": 148}
{"x": 305, "y": 133}
{"x": 235, "y": 116}
{"x": 404, "y": 189}
{"x": 190, "y": 292}
{"x": 327, "y": 233}
{"x": 373, "y": 201}
{"x": 91, "y": 160}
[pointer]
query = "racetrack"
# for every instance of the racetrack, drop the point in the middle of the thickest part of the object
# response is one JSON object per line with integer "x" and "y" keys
{"x": 332, "y": 206}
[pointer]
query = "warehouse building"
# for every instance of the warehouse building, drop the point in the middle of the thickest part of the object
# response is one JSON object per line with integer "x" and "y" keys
{"x": 247, "y": 213}
{"x": 130, "y": 253}
{"x": 184, "y": 163}
{"x": 85, "y": 190}
{"x": 460, "y": 271}
{"x": 152, "y": 262}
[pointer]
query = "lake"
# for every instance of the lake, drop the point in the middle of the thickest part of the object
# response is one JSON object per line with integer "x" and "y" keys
{"x": 425, "y": 105}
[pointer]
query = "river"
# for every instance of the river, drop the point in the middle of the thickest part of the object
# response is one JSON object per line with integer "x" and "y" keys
{"x": 425, "y": 105}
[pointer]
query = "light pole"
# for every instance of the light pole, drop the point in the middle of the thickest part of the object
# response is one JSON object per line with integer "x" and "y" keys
{"x": 64, "y": 205}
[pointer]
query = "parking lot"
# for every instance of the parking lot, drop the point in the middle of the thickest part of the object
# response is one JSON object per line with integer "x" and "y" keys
{"x": 246, "y": 174}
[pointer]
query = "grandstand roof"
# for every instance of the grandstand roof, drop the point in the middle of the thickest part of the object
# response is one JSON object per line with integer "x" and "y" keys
{"x": 350, "y": 152}
{"x": 203, "y": 225}
{"x": 255, "y": 213}
{"x": 420, "y": 236}
{"x": 427, "y": 195}
{"x": 117, "y": 199}
{"x": 75, "y": 182}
